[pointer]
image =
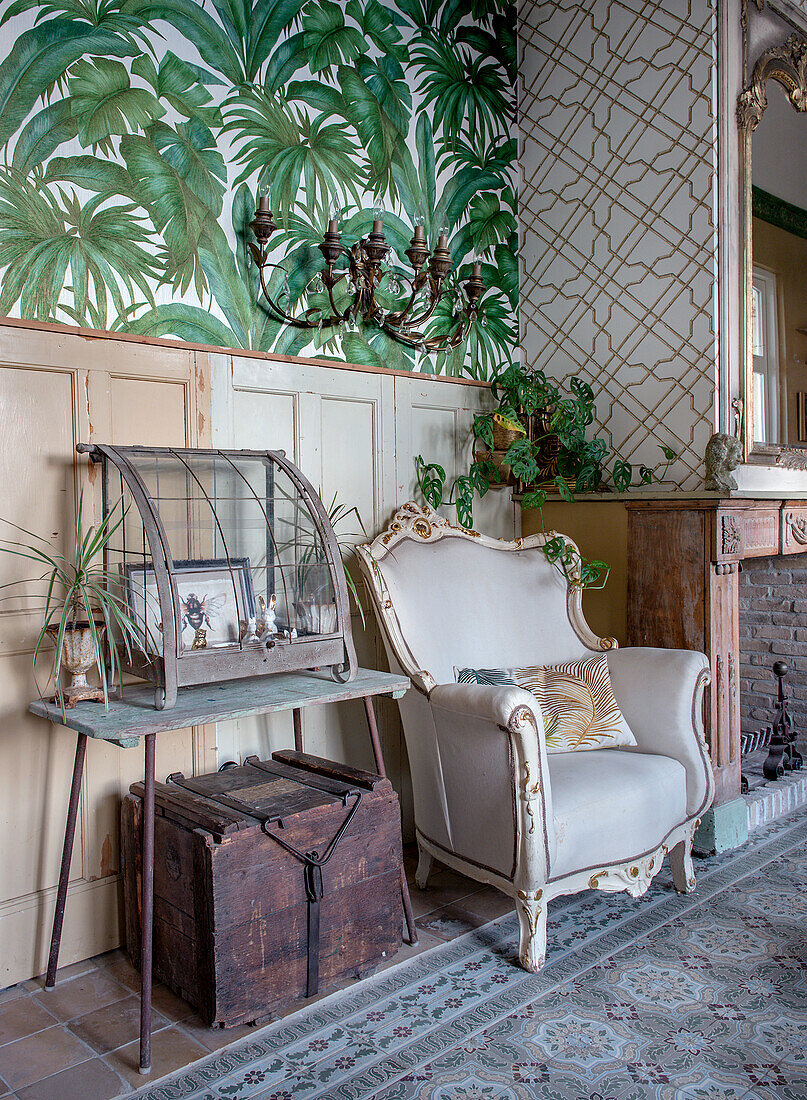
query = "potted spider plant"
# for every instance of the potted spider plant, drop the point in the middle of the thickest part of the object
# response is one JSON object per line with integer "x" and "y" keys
{"x": 81, "y": 609}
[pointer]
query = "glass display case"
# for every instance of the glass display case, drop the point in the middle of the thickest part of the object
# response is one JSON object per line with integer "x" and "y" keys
{"x": 226, "y": 564}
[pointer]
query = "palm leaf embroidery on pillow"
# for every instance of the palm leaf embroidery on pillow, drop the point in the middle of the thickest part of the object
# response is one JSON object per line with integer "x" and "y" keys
{"x": 577, "y": 703}
{"x": 576, "y": 699}
{"x": 500, "y": 677}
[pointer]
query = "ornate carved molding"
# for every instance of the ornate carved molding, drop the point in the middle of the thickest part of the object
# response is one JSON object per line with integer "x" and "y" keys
{"x": 634, "y": 877}
{"x": 795, "y": 529}
{"x": 732, "y": 535}
{"x": 787, "y": 64}
{"x": 792, "y": 458}
{"x": 761, "y": 533}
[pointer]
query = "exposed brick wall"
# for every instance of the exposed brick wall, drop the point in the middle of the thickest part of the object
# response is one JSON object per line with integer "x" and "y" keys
{"x": 773, "y": 626}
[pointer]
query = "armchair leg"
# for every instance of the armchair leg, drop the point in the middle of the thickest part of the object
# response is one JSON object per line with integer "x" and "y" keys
{"x": 683, "y": 872}
{"x": 531, "y": 912}
{"x": 424, "y": 867}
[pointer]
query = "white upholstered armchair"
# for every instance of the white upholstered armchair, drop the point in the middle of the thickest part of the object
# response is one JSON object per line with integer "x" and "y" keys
{"x": 489, "y": 800}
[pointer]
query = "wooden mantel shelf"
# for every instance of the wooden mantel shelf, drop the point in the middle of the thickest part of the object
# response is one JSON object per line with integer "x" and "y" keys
{"x": 683, "y": 561}
{"x": 743, "y": 527}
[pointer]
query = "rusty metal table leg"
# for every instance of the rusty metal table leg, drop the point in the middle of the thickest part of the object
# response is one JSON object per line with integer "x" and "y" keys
{"x": 375, "y": 740}
{"x": 297, "y": 716}
{"x": 67, "y": 855}
{"x": 147, "y": 907}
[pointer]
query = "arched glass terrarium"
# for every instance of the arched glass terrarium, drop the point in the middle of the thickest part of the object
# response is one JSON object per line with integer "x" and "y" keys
{"x": 227, "y": 565}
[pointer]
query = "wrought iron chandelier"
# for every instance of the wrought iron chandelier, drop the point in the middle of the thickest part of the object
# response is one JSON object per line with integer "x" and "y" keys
{"x": 364, "y": 275}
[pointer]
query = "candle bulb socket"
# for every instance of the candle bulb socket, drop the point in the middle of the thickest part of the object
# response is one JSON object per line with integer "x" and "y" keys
{"x": 263, "y": 224}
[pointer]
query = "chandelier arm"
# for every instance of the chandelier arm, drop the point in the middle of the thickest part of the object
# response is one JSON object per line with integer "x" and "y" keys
{"x": 432, "y": 343}
{"x": 330, "y": 283}
{"x": 399, "y": 316}
{"x": 298, "y": 322}
{"x": 427, "y": 314}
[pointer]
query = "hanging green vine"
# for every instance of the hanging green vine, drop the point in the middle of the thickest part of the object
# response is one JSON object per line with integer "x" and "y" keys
{"x": 536, "y": 439}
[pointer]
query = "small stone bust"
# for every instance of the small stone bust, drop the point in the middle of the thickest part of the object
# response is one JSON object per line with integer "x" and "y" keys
{"x": 724, "y": 453}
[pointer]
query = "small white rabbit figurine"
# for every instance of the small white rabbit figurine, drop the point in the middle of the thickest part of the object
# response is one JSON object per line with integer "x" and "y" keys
{"x": 269, "y": 620}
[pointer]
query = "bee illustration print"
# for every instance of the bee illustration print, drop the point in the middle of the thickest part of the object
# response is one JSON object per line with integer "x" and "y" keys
{"x": 197, "y": 613}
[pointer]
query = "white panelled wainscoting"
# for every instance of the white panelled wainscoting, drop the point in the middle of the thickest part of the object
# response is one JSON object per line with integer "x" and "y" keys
{"x": 354, "y": 432}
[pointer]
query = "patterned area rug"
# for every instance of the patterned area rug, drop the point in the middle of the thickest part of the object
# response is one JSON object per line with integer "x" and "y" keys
{"x": 677, "y": 998}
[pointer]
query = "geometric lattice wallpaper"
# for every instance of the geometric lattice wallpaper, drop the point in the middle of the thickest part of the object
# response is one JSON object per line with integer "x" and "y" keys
{"x": 619, "y": 241}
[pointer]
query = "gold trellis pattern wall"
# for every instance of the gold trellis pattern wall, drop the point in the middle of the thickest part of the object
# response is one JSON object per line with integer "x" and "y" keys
{"x": 619, "y": 248}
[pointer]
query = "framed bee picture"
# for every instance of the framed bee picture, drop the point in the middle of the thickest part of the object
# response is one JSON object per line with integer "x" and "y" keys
{"x": 215, "y": 598}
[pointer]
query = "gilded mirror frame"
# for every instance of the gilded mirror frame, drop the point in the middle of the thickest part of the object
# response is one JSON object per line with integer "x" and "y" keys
{"x": 787, "y": 64}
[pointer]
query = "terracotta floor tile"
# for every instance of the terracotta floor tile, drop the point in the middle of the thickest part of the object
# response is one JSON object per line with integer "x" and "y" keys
{"x": 443, "y": 888}
{"x": 121, "y": 970}
{"x": 63, "y": 974}
{"x": 214, "y": 1038}
{"x": 93, "y": 990}
{"x": 425, "y": 941}
{"x": 12, "y": 993}
{"x": 21, "y": 1017}
{"x": 171, "y": 1049}
{"x": 450, "y": 921}
{"x": 37, "y": 1056}
{"x": 169, "y": 1004}
{"x": 489, "y": 903}
{"x": 92, "y": 1080}
{"x": 114, "y": 1025}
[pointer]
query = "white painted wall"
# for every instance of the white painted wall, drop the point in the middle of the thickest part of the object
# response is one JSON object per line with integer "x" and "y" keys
{"x": 355, "y": 433}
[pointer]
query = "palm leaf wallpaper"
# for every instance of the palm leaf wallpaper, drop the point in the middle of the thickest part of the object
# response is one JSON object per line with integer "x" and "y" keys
{"x": 137, "y": 134}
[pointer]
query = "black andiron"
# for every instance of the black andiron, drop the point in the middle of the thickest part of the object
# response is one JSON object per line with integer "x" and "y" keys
{"x": 782, "y": 755}
{"x": 363, "y": 277}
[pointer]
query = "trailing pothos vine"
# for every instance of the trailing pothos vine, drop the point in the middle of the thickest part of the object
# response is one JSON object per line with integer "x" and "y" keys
{"x": 536, "y": 439}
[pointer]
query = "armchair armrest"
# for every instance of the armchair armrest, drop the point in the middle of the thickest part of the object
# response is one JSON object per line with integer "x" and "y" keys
{"x": 496, "y": 778}
{"x": 496, "y": 703}
{"x": 660, "y": 692}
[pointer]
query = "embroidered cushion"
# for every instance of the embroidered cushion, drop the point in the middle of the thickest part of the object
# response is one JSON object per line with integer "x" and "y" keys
{"x": 577, "y": 702}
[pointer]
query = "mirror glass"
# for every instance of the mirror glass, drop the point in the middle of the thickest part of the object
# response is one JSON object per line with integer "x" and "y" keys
{"x": 778, "y": 306}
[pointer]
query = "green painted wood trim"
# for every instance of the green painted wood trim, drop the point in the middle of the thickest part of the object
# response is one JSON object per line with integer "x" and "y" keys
{"x": 135, "y": 715}
{"x": 783, "y": 214}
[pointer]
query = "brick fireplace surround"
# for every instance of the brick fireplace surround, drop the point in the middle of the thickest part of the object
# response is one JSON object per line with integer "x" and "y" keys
{"x": 773, "y": 626}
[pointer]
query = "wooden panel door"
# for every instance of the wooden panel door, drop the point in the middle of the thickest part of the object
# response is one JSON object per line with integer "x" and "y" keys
{"x": 56, "y": 390}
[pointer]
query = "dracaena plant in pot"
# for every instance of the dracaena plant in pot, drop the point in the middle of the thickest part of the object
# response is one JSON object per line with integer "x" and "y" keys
{"x": 80, "y": 609}
{"x": 536, "y": 440}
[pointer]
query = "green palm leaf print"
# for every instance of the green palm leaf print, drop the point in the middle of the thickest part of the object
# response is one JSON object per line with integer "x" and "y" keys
{"x": 138, "y": 134}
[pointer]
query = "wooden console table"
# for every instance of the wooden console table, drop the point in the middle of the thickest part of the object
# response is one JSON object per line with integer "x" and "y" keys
{"x": 133, "y": 717}
{"x": 683, "y": 559}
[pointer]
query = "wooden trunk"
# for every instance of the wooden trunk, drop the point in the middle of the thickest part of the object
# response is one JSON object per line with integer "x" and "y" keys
{"x": 231, "y": 913}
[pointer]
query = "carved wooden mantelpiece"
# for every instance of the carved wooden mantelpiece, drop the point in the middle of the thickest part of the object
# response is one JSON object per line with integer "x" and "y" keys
{"x": 683, "y": 562}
